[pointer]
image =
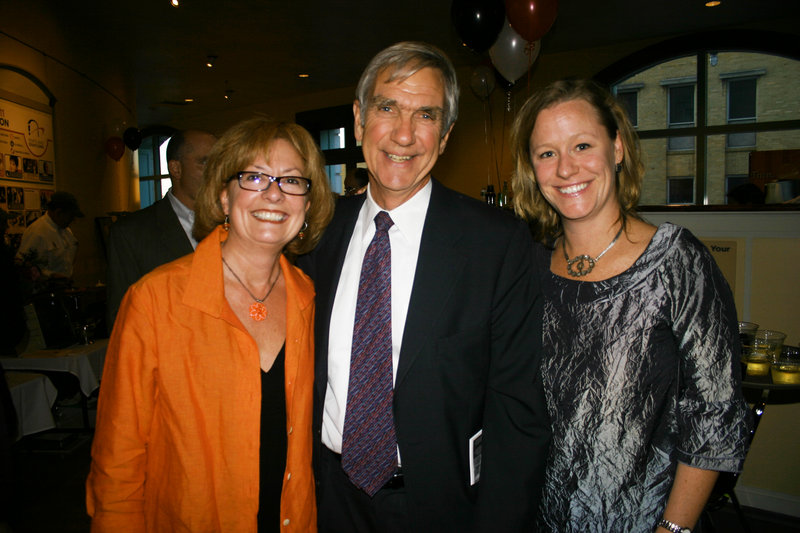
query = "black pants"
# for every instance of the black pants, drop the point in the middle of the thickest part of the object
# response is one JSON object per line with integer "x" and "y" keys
{"x": 344, "y": 508}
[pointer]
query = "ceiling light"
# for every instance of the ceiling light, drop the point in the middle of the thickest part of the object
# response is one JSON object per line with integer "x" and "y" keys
{"x": 228, "y": 93}
{"x": 210, "y": 61}
{"x": 175, "y": 3}
{"x": 303, "y": 75}
{"x": 188, "y": 100}
{"x": 713, "y": 3}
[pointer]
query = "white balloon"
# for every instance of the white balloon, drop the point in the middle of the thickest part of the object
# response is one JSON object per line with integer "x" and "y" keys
{"x": 512, "y": 55}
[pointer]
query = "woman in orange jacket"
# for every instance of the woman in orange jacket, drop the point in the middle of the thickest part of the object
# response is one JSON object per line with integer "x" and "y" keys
{"x": 204, "y": 415}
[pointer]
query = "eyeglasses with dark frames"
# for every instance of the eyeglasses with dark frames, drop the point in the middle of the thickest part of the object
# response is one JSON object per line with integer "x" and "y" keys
{"x": 258, "y": 181}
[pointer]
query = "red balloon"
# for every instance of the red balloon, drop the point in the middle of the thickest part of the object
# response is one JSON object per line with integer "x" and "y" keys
{"x": 115, "y": 147}
{"x": 531, "y": 18}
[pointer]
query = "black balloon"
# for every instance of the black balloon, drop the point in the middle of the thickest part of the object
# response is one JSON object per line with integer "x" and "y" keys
{"x": 132, "y": 138}
{"x": 478, "y": 22}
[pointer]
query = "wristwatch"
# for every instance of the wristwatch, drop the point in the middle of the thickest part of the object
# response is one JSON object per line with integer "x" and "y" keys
{"x": 672, "y": 526}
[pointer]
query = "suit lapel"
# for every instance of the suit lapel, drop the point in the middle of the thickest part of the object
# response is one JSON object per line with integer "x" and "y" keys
{"x": 328, "y": 262}
{"x": 171, "y": 232}
{"x": 439, "y": 266}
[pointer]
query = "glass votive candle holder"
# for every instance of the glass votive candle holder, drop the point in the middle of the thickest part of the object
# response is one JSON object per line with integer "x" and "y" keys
{"x": 786, "y": 367}
{"x": 747, "y": 335}
{"x": 766, "y": 348}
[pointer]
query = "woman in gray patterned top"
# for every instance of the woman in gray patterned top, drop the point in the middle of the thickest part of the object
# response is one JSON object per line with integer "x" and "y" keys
{"x": 640, "y": 338}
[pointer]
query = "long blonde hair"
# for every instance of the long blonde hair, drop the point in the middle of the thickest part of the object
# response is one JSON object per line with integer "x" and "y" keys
{"x": 528, "y": 200}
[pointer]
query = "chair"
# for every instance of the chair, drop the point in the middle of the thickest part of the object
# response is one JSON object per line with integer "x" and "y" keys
{"x": 726, "y": 482}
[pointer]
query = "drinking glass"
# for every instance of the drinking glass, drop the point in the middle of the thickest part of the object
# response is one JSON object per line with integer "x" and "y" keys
{"x": 766, "y": 348}
{"x": 786, "y": 367}
{"x": 747, "y": 334}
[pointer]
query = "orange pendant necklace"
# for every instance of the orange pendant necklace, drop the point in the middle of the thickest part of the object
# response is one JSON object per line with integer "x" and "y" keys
{"x": 258, "y": 311}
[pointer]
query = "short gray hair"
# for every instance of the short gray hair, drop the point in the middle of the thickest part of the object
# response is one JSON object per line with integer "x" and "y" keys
{"x": 405, "y": 59}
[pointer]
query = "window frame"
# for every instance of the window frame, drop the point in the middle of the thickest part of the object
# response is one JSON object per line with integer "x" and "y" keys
{"x": 156, "y": 134}
{"x": 690, "y": 84}
{"x": 702, "y": 46}
{"x": 329, "y": 118}
{"x": 630, "y": 89}
{"x": 730, "y": 78}
{"x": 670, "y": 181}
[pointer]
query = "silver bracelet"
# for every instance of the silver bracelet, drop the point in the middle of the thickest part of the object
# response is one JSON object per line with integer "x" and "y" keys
{"x": 672, "y": 526}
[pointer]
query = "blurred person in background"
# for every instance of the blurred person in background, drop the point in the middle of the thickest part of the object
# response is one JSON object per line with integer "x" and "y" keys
{"x": 162, "y": 232}
{"x": 356, "y": 181}
{"x": 49, "y": 242}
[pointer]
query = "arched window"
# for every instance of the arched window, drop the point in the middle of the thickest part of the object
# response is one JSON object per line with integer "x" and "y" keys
{"x": 714, "y": 112}
{"x": 154, "y": 180}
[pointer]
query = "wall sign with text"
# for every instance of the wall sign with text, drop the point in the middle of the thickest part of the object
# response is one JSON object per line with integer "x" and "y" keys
{"x": 27, "y": 171}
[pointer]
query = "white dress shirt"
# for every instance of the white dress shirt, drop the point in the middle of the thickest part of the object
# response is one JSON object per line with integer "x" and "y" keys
{"x": 404, "y": 237}
{"x": 185, "y": 216}
{"x": 55, "y": 247}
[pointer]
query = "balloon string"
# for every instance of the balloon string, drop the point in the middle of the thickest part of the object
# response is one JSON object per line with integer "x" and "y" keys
{"x": 499, "y": 161}
{"x": 494, "y": 145}
{"x": 487, "y": 112}
{"x": 529, "y": 51}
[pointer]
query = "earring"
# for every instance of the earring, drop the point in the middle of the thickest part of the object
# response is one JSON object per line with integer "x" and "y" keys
{"x": 302, "y": 234}
{"x": 618, "y": 168}
{"x": 227, "y": 224}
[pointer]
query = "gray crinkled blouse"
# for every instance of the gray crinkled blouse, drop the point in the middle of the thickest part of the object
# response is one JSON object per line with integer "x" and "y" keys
{"x": 640, "y": 371}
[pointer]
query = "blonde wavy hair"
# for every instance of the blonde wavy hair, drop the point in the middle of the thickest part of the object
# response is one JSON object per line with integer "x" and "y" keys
{"x": 528, "y": 200}
{"x": 239, "y": 147}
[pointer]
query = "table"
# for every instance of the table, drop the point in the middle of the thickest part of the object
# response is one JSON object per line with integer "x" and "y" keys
{"x": 84, "y": 361}
{"x": 760, "y": 389}
{"x": 757, "y": 390}
{"x": 33, "y": 396}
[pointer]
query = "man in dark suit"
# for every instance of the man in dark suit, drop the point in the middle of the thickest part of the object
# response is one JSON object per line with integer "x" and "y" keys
{"x": 467, "y": 427}
{"x": 162, "y": 232}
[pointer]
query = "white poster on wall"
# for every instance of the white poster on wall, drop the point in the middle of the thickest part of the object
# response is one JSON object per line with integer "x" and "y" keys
{"x": 27, "y": 172}
{"x": 26, "y": 144}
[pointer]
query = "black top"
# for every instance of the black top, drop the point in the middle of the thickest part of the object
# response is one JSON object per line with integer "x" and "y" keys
{"x": 273, "y": 444}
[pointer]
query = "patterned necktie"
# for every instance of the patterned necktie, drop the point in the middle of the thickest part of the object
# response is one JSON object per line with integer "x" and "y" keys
{"x": 369, "y": 445}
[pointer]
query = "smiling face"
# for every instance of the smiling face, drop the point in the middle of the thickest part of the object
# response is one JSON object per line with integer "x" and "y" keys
{"x": 402, "y": 134}
{"x": 574, "y": 161}
{"x": 268, "y": 218}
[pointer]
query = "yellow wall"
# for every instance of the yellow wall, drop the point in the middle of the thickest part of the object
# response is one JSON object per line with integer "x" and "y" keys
{"x": 767, "y": 292}
{"x": 775, "y": 303}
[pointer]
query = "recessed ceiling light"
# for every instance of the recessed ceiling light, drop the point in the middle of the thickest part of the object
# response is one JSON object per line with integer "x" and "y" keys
{"x": 303, "y": 75}
{"x": 210, "y": 61}
{"x": 188, "y": 100}
{"x": 713, "y": 3}
{"x": 175, "y": 3}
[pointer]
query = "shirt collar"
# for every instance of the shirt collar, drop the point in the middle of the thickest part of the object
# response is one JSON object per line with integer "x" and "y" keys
{"x": 181, "y": 210}
{"x": 52, "y": 223}
{"x": 408, "y": 217}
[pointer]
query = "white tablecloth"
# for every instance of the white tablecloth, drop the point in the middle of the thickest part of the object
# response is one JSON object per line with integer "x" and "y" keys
{"x": 33, "y": 396}
{"x": 85, "y": 361}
